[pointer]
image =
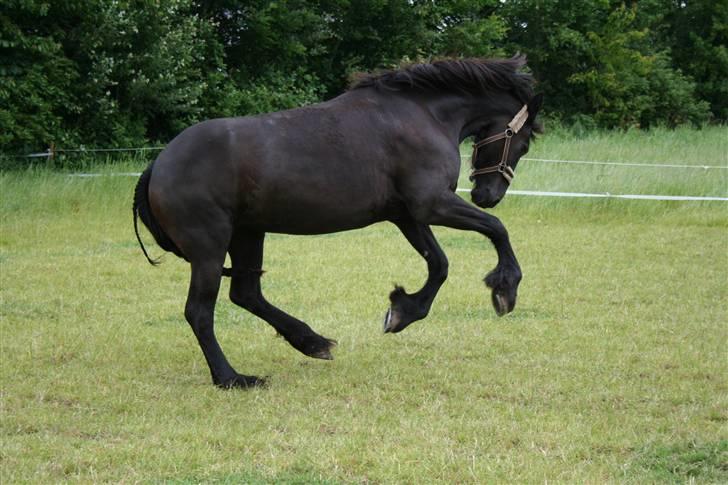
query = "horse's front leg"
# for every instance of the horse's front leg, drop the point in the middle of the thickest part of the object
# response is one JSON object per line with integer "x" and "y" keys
{"x": 451, "y": 211}
{"x": 407, "y": 308}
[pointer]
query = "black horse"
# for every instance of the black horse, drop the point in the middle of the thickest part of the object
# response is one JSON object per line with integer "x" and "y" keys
{"x": 385, "y": 150}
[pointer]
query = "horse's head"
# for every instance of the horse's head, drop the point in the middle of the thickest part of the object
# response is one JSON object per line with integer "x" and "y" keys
{"x": 500, "y": 143}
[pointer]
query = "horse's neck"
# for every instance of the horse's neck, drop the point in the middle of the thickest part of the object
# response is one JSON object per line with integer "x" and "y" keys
{"x": 458, "y": 115}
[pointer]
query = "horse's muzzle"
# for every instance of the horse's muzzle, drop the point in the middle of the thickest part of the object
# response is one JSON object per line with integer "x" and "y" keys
{"x": 484, "y": 200}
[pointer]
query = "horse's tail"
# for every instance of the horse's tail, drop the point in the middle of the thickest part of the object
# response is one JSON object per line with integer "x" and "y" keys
{"x": 142, "y": 210}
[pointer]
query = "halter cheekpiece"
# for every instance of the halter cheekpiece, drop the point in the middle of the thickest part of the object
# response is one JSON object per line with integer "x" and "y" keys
{"x": 513, "y": 127}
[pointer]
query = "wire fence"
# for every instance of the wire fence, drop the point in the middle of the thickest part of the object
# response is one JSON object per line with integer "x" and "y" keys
{"x": 52, "y": 152}
{"x": 627, "y": 164}
{"x": 607, "y": 195}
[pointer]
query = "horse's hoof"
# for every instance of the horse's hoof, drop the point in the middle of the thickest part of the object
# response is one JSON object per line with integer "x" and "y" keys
{"x": 501, "y": 305}
{"x": 391, "y": 321}
{"x": 243, "y": 382}
{"x": 324, "y": 354}
{"x": 317, "y": 347}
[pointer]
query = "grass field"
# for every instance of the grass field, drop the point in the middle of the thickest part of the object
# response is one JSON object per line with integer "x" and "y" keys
{"x": 612, "y": 369}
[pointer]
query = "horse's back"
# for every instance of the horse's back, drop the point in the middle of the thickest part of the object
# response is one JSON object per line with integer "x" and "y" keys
{"x": 322, "y": 168}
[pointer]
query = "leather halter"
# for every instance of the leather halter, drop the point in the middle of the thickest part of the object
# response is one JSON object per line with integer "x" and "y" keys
{"x": 513, "y": 127}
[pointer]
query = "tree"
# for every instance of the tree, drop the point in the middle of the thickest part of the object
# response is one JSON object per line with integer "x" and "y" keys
{"x": 36, "y": 78}
{"x": 593, "y": 58}
{"x": 150, "y": 70}
{"x": 122, "y": 72}
{"x": 108, "y": 73}
{"x": 695, "y": 33}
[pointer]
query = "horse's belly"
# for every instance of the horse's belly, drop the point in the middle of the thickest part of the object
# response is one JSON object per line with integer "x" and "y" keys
{"x": 327, "y": 213}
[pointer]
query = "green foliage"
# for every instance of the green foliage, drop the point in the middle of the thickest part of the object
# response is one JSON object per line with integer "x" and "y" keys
{"x": 595, "y": 60}
{"x": 366, "y": 34}
{"x": 260, "y": 35}
{"x": 275, "y": 91}
{"x": 467, "y": 28}
{"x": 146, "y": 70}
{"x": 616, "y": 83}
{"x": 674, "y": 99}
{"x": 696, "y": 33}
{"x": 106, "y": 73}
{"x": 121, "y": 72}
{"x": 36, "y": 79}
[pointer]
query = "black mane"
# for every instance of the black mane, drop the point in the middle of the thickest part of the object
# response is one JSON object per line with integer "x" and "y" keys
{"x": 468, "y": 76}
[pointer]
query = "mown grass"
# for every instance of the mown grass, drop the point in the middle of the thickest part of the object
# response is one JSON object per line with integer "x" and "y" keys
{"x": 611, "y": 369}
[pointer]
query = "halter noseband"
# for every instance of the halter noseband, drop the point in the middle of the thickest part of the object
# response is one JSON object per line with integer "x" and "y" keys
{"x": 513, "y": 127}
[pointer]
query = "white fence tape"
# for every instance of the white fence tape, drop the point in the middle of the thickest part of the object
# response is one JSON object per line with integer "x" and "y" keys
{"x": 52, "y": 151}
{"x": 626, "y": 164}
{"x": 607, "y": 195}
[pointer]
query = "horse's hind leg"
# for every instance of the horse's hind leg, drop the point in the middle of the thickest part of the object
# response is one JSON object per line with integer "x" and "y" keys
{"x": 206, "y": 259}
{"x": 246, "y": 254}
{"x": 407, "y": 308}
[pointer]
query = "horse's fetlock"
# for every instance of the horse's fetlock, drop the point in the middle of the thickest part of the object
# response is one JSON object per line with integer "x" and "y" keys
{"x": 397, "y": 294}
{"x": 518, "y": 276}
{"x": 513, "y": 275}
{"x": 504, "y": 276}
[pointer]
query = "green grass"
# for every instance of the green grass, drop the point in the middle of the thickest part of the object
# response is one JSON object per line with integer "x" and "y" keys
{"x": 691, "y": 461}
{"x": 612, "y": 368}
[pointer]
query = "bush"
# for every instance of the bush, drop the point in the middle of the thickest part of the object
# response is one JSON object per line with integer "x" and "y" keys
{"x": 275, "y": 91}
{"x": 119, "y": 73}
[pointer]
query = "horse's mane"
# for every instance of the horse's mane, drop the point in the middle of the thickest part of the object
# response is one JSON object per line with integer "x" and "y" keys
{"x": 462, "y": 76}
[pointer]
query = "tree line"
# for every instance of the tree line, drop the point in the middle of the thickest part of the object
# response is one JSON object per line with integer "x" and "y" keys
{"x": 117, "y": 73}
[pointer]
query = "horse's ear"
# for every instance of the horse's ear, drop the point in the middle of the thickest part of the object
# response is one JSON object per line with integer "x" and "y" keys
{"x": 534, "y": 106}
